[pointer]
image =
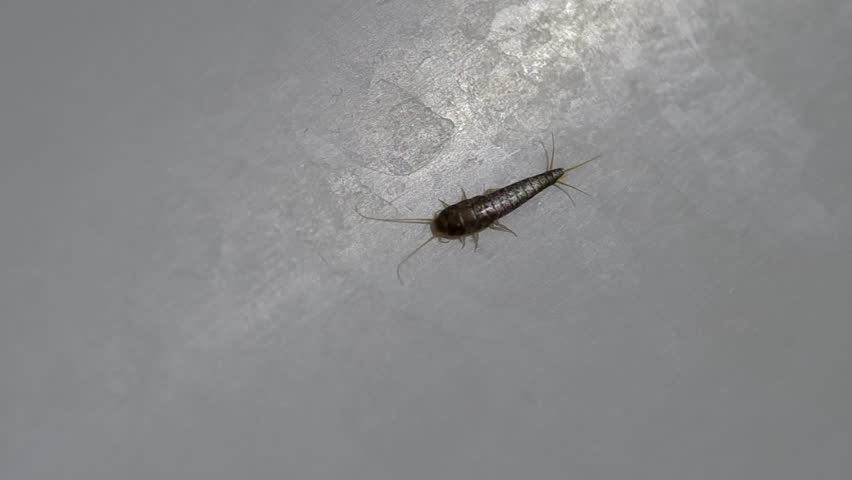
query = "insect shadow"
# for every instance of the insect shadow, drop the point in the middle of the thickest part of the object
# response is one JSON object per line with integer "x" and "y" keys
{"x": 470, "y": 216}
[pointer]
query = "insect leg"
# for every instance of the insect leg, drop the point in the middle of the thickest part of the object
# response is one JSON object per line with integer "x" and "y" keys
{"x": 409, "y": 256}
{"x": 461, "y": 239}
{"x": 464, "y": 195}
{"x": 501, "y": 228}
{"x": 475, "y": 241}
{"x": 445, "y": 204}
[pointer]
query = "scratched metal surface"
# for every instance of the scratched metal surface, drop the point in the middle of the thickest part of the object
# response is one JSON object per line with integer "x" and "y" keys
{"x": 186, "y": 291}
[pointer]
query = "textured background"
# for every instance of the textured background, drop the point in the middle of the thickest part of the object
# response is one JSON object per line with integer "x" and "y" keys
{"x": 186, "y": 293}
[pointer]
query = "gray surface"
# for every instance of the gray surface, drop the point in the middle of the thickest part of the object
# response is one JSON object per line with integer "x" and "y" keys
{"x": 186, "y": 293}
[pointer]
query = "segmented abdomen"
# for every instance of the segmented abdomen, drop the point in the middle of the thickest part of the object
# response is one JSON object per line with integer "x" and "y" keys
{"x": 487, "y": 208}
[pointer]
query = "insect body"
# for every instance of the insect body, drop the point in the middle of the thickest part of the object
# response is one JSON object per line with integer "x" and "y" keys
{"x": 470, "y": 216}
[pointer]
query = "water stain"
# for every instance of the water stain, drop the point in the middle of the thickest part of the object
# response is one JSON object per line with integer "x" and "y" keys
{"x": 393, "y": 132}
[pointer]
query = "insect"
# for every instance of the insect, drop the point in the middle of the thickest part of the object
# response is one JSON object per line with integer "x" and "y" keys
{"x": 470, "y": 216}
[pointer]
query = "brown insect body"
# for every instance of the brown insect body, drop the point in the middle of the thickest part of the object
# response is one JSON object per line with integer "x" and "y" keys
{"x": 470, "y": 216}
{"x": 473, "y": 215}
